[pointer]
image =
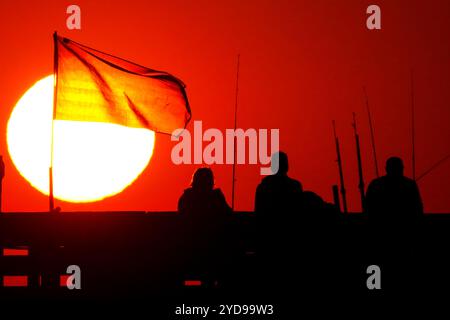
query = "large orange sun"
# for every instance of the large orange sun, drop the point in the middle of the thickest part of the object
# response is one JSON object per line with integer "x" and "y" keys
{"x": 91, "y": 161}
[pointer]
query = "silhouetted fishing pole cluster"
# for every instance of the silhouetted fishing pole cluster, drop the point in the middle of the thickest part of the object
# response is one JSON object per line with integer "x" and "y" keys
{"x": 361, "y": 184}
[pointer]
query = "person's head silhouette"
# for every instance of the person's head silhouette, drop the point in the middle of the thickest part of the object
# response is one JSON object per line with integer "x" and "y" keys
{"x": 394, "y": 167}
{"x": 203, "y": 179}
{"x": 279, "y": 162}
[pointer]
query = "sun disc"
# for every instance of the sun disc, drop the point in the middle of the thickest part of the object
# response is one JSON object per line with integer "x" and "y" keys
{"x": 91, "y": 160}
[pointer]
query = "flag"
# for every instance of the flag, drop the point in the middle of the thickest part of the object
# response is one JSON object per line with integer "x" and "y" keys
{"x": 97, "y": 87}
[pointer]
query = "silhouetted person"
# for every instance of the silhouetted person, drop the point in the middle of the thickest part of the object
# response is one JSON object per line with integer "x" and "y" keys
{"x": 277, "y": 210}
{"x": 201, "y": 201}
{"x": 278, "y": 202}
{"x": 394, "y": 207}
{"x": 204, "y": 211}
{"x": 393, "y": 198}
{"x": 293, "y": 228}
{"x": 277, "y": 193}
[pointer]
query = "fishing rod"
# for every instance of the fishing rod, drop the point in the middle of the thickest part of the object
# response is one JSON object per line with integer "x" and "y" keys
{"x": 234, "y": 139}
{"x": 413, "y": 129}
{"x": 434, "y": 166}
{"x": 341, "y": 173}
{"x": 372, "y": 136}
{"x": 360, "y": 170}
{"x": 413, "y": 136}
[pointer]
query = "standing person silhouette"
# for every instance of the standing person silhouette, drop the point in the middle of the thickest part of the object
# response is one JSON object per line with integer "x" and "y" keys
{"x": 278, "y": 202}
{"x": 204, "y": 211}
{"x": 394, "y": 208}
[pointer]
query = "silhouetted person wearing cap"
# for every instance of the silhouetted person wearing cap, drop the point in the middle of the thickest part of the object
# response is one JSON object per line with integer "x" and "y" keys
{"x": 204, "y": 211}
{"x": 393, "y": 198}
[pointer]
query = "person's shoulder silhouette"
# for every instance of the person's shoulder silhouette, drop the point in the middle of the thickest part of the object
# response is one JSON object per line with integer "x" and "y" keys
{"x": 312, "y": 202}
{"x": 393, "y": 197}
{"x": 278, "y": 191}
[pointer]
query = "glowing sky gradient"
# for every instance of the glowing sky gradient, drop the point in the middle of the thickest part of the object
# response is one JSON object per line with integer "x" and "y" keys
{"x": 303, "y": 64}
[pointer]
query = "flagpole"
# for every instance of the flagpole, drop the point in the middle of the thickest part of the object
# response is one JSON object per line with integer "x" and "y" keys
{"x": 234, "y": 139}
{"x": 55, "y": 94}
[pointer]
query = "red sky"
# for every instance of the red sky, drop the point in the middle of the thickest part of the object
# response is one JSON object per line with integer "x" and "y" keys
{"x": 303, "y": 64}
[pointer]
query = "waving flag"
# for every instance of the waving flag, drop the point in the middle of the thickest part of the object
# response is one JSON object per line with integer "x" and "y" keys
{"x": 98, "y": 87}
